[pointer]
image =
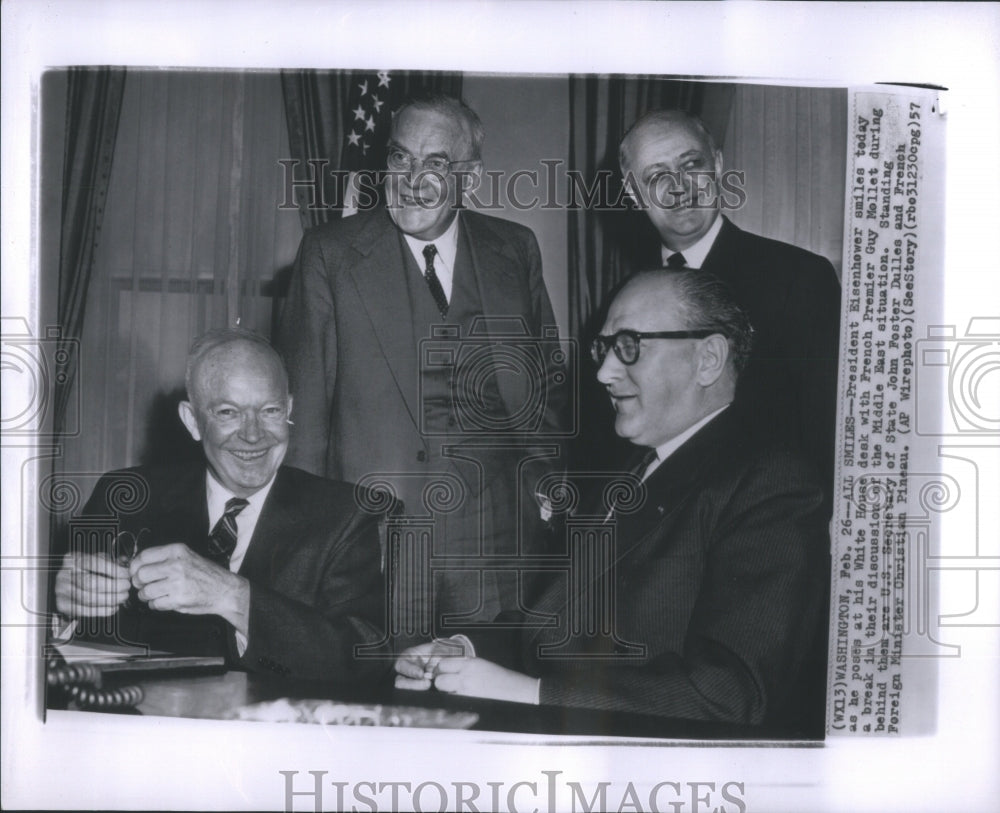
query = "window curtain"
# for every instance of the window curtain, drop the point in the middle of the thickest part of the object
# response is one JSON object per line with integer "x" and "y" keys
{"x": 791, "y": 143}
{"x": 93, "y": 106}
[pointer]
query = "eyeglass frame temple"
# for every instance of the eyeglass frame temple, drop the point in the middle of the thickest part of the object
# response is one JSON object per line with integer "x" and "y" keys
{"x": 611, "y": 342}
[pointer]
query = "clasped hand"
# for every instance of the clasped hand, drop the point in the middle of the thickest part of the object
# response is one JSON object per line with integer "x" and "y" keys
{"x": 445, "y": 665}
{"x": 167, "y": 577}
{"x": 174, "y": 577}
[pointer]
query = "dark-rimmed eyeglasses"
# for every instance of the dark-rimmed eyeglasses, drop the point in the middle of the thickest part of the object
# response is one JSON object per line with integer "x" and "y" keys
{"x": 625, "y": 343}
{"x": 399, "y": 160}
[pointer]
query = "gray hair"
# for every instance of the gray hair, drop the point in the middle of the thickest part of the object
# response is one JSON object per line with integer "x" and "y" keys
{"x": 454, "y": 109}
{"x": 708, "y": 303}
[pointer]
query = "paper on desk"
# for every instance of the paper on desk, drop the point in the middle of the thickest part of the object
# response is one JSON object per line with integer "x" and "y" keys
{"x": 77, "y": 651}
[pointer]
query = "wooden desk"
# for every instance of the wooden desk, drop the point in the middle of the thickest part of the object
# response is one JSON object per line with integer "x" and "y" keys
{"x": 215, "y": 695}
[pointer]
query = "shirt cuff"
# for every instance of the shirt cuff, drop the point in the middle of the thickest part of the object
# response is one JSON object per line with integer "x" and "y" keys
{"x": 241, "y": 643}
{"x": 468, "y": 650}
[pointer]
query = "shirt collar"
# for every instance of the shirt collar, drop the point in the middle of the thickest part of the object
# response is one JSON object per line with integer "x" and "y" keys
{"x": 695, "y": 255}
{"x": 664, "y": 450}
{"x": 446, "y": 244}
{"x": 219, "y": 495}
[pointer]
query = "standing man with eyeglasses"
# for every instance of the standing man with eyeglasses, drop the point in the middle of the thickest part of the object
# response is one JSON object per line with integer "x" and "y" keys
{"x": 716, "y": 578}
{"x": 391, "y": 335}
{"x": 674, "y": 171}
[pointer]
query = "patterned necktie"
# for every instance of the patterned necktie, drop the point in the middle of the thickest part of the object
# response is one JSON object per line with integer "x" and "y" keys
{"x": 676, "y": 260}
{"x": 433, "y": 282}
{"x": 222, "y": 540}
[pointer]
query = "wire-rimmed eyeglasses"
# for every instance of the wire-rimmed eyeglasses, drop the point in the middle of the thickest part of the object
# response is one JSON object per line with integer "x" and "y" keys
{"x": 625, "y": 342}
{"x": 399, "y": 160}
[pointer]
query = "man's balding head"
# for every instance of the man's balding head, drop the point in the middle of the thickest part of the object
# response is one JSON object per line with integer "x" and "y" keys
{"x": 672, "y": 167}
{"x": 238, "y": 407}
{"x": 224, "y": 346}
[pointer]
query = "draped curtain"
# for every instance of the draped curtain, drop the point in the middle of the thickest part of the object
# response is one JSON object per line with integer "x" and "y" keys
{"x": 317, "y": 116}
{"x": 93, "y": 105}
{"x": 791, "y": 142}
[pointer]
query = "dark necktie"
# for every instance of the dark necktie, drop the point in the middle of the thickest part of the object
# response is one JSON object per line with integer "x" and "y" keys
{"x": 640, "y": 468}
{"x": 433, "y": 282}
{"x": 637, "y": 470}
{"x": 676, "y": 260}
{"x": 222, "y": 540}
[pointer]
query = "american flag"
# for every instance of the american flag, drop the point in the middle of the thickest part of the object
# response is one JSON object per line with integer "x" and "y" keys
{"x": 371, "y": 102}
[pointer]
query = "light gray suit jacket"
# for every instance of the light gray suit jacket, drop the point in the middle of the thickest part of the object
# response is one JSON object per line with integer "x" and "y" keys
{"x": 347, "y": 335}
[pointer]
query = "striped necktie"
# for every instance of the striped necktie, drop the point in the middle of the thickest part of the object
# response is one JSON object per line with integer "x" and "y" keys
{"x": 222, "y": 540}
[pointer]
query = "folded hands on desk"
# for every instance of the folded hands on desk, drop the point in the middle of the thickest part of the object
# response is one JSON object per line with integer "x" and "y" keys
{"x": 450, "y": 666}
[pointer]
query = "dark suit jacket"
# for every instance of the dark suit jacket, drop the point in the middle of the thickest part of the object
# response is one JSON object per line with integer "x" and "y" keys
{"x": 346, "y": 332}
{"x": 792, "y": 297}
{"x": 316, "y": 589}
{"x": 720, "y": 579}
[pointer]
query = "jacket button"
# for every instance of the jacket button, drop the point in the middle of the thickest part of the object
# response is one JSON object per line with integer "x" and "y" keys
{"x": 421, "y": 456}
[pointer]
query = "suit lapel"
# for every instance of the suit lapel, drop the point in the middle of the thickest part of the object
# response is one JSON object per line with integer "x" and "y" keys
{"x": 184, "y": 506}
{"x": 495, "y": 265}
{"x": 276, "y": 526}
{"x": 673, "y": 483}
{"x": 497, "y": 270}
{"x": 722, "y": 256}
{"x": 379, "y": 277}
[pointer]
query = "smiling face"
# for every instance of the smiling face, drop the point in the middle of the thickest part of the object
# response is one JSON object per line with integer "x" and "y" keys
{"x": 421, "y": 203}
{"x": 677, "y": 176}
{"x": 661, "y": 394}
{"x": 239, "y": 411}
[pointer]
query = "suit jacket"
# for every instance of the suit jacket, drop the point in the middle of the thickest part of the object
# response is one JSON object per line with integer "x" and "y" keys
{"x": 792, "y": 296}
{"x": 719, "y": 585}
{"x": 346, "y": 332}
{"x": 316, "y": 590}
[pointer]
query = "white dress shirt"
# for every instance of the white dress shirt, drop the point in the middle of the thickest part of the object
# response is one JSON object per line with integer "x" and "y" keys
{"x": 444, "y": 262}
{"x": 246, "y": 522}
{"x": 694, "y": 256}
{"x": 664, "y": 450}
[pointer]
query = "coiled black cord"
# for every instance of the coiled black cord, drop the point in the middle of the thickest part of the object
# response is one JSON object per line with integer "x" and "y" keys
{"x": 77, "y": 683}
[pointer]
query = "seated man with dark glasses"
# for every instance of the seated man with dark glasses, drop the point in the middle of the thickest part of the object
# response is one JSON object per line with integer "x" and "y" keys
{"x": 704, "y": 597}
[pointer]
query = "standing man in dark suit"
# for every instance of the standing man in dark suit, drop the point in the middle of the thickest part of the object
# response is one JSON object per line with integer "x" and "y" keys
{"x": 403, "y": 331}
{"x": 274, "y": 568}
{"x": 714, "y": 582}
{"x": 674, "y": 170}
